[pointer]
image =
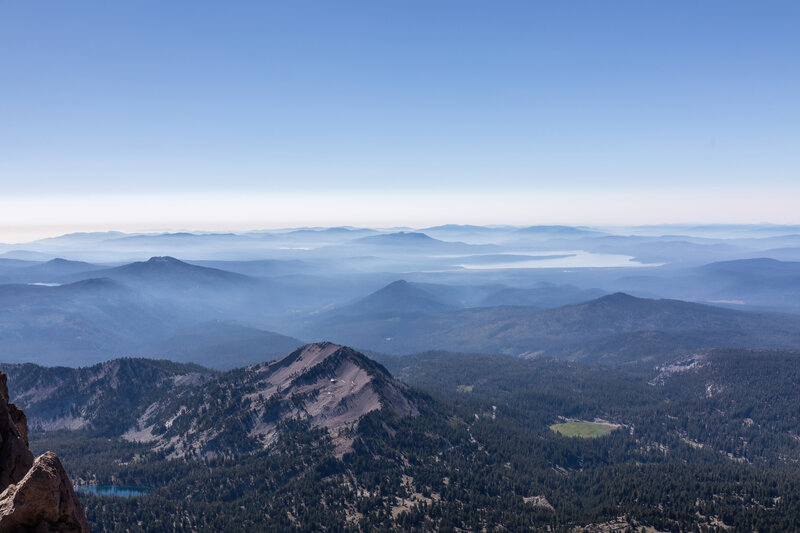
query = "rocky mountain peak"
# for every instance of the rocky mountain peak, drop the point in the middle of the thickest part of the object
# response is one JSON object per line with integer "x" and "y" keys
{"x": 338, "y": 386}
{"x": 326, "y": 385}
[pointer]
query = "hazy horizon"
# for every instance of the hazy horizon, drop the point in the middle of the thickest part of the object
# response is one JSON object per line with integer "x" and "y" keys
{"x": 23, "y": 219}
{"x": 14, "y": 236}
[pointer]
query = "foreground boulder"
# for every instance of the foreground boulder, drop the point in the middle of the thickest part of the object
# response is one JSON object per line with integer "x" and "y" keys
{"x": 37, "y": 495}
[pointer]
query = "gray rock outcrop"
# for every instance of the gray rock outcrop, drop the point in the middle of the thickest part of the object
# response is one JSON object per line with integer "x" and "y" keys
{"x": 37, "y": 495}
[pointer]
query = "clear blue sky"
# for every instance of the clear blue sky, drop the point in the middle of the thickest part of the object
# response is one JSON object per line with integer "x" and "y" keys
{"x": 414, "y": 98}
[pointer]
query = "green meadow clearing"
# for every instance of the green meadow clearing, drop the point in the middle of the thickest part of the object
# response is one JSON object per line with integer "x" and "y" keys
{"x": 585, "y": 430}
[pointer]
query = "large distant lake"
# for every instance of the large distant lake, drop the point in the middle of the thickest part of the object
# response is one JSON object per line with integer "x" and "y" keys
{"x": 114, "y": 490}
{"x": 550, "y": 259}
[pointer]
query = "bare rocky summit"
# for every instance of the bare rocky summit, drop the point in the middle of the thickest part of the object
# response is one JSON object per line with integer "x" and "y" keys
{"x": 37, "y": 495}
{"x": 324, "y": 384}
{"x": 337, "y": 385}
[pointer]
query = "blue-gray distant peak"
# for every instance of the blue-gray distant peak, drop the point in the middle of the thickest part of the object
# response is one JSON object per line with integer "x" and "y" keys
{"x": 618, "y": 297}
{"x": 167, "y": 264}
{"x": 403, "y": 238}
{"x": 759, "y": 266}
{"x": 166, "y": 260}
{"x": 559, "y": 231}
{"x": 400, "y": 237}
{"x": 166, "y": 269}
{"x": 463, "y": 228}
{"x": 59, "y": 264}
{"x": 398, "y": 297}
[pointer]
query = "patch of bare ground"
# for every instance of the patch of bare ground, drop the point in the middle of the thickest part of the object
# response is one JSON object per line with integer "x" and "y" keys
{"x": 192, "y": 379}
{"x": 687, "y": 364}
{"x": 621, "y": 525}
{"x": 343, "y": 439}
{"x": 65, "y": 422}
{"x": 143, "y": 435}
{"x": 142, "y": 431}
{"x": 693, "y": 443}
{"x": 698, "y": 445}
{"x": 415, "y": 498}
{"x": 538, "y": 501}
{"x": 352, "y": 516}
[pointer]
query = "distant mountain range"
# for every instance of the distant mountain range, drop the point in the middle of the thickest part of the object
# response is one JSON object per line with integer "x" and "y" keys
{"x": 162, "y": 307}
{"x": 618, "y": 328}
{"x": 403, "y": 250}
{"x": 759, "y": 283}
{"x": 168, "y": 308}
{"x": 406, "y": 297}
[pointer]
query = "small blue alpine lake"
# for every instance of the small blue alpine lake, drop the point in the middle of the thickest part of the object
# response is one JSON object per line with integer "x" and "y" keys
{"x": 114, "y": 490}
